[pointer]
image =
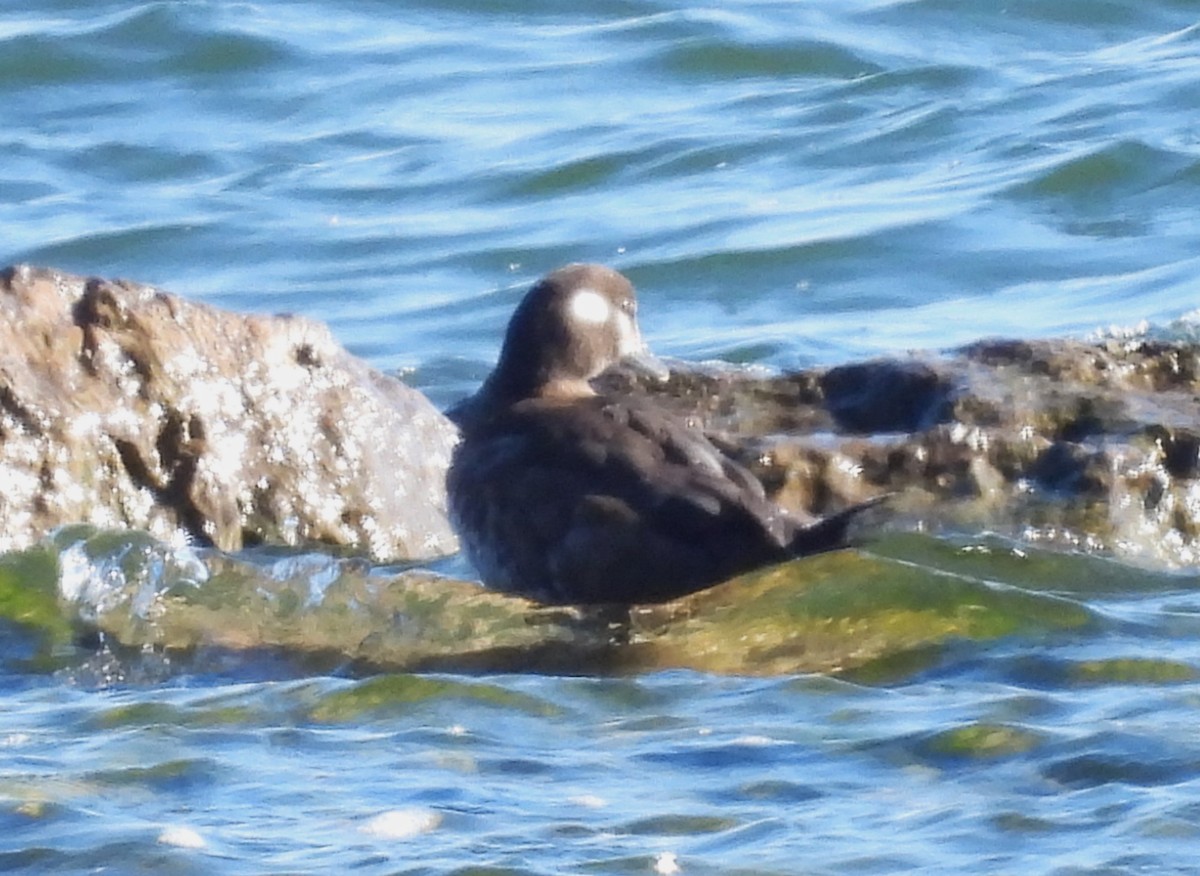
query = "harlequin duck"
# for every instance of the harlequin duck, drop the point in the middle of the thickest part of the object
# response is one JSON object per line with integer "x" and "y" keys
{"x": 567, "y": 496}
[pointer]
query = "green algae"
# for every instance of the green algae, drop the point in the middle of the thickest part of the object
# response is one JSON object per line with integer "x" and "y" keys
{"x": 29, "y": 596}
{"x": 1132, "y": 670}
{"x": 849, "y": 610}
{"x": 680, "y": 825}
{"x": 169, "y": 774}
{"x": 146, "y": 714}
{"x": 401, "y": 693}
{"x": 876, "y": 615}
{"x": 980, "y": 741}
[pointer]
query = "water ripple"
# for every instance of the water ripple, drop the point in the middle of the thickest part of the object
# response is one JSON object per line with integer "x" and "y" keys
{"x": 787, "y": 184}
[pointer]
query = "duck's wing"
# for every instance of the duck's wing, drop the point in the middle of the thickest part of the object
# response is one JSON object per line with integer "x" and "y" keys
{"x": 694, "y": 484}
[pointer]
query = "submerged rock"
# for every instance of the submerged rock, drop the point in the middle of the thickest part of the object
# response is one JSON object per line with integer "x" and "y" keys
{"x": 119, "y": 606}
{"x": 121, "y": 404}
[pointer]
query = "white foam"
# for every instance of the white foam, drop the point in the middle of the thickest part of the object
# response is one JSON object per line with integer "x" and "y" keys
{"x": 588, "y": 801}
{"x": 666, "y": 864}
{"x": 181, "y": 837}
{"x": 402, "y": 823}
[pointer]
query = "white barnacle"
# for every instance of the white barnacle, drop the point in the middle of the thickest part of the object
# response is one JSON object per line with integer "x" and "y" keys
{"x": 589, "y": 306}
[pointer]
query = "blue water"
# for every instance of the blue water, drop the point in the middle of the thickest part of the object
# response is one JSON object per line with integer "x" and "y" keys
{"x": 788, "y": 184}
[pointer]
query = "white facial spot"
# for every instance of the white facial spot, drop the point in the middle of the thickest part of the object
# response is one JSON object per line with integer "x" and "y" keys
{"x": 590, "y": 307}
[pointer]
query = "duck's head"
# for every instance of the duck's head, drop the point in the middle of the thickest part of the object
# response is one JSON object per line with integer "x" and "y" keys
{"x": 572, "y": 325}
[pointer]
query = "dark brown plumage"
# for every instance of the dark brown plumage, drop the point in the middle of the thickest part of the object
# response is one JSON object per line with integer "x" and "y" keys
{"x": 570, "y": 497}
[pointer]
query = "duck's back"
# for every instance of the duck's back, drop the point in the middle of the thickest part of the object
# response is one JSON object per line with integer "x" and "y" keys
{"x": 591, "y": 500}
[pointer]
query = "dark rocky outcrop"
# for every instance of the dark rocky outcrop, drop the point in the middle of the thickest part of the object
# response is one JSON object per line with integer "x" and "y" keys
{"x": 1094, "y": 445}
{"x": 123, "y": 405}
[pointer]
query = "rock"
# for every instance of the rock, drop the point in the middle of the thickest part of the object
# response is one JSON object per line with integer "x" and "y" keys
{"x": 123, "y": 405}
{"x": 1075, "y": 444}
{"x": 119, "y": 606}
{"x": 886, "y": 396}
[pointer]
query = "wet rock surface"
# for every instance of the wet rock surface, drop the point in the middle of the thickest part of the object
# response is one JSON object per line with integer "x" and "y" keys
{"x": 118, "y": 606}
{"x": 1092, "y": 445}
{"x": 123, "y": 405}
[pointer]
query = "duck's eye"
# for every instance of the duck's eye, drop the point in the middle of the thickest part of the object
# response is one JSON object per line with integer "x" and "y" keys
{"x": 629, "y": 306}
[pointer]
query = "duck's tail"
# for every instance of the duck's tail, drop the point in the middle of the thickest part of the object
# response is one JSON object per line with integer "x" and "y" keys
{"x": 832, "y": 532}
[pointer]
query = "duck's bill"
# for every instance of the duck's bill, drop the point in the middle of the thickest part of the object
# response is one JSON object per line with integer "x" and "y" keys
{"x": 646, "y": 364}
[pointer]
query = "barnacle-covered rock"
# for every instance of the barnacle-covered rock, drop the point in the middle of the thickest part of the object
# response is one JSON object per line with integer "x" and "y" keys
{"x": 123, "y": 405}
